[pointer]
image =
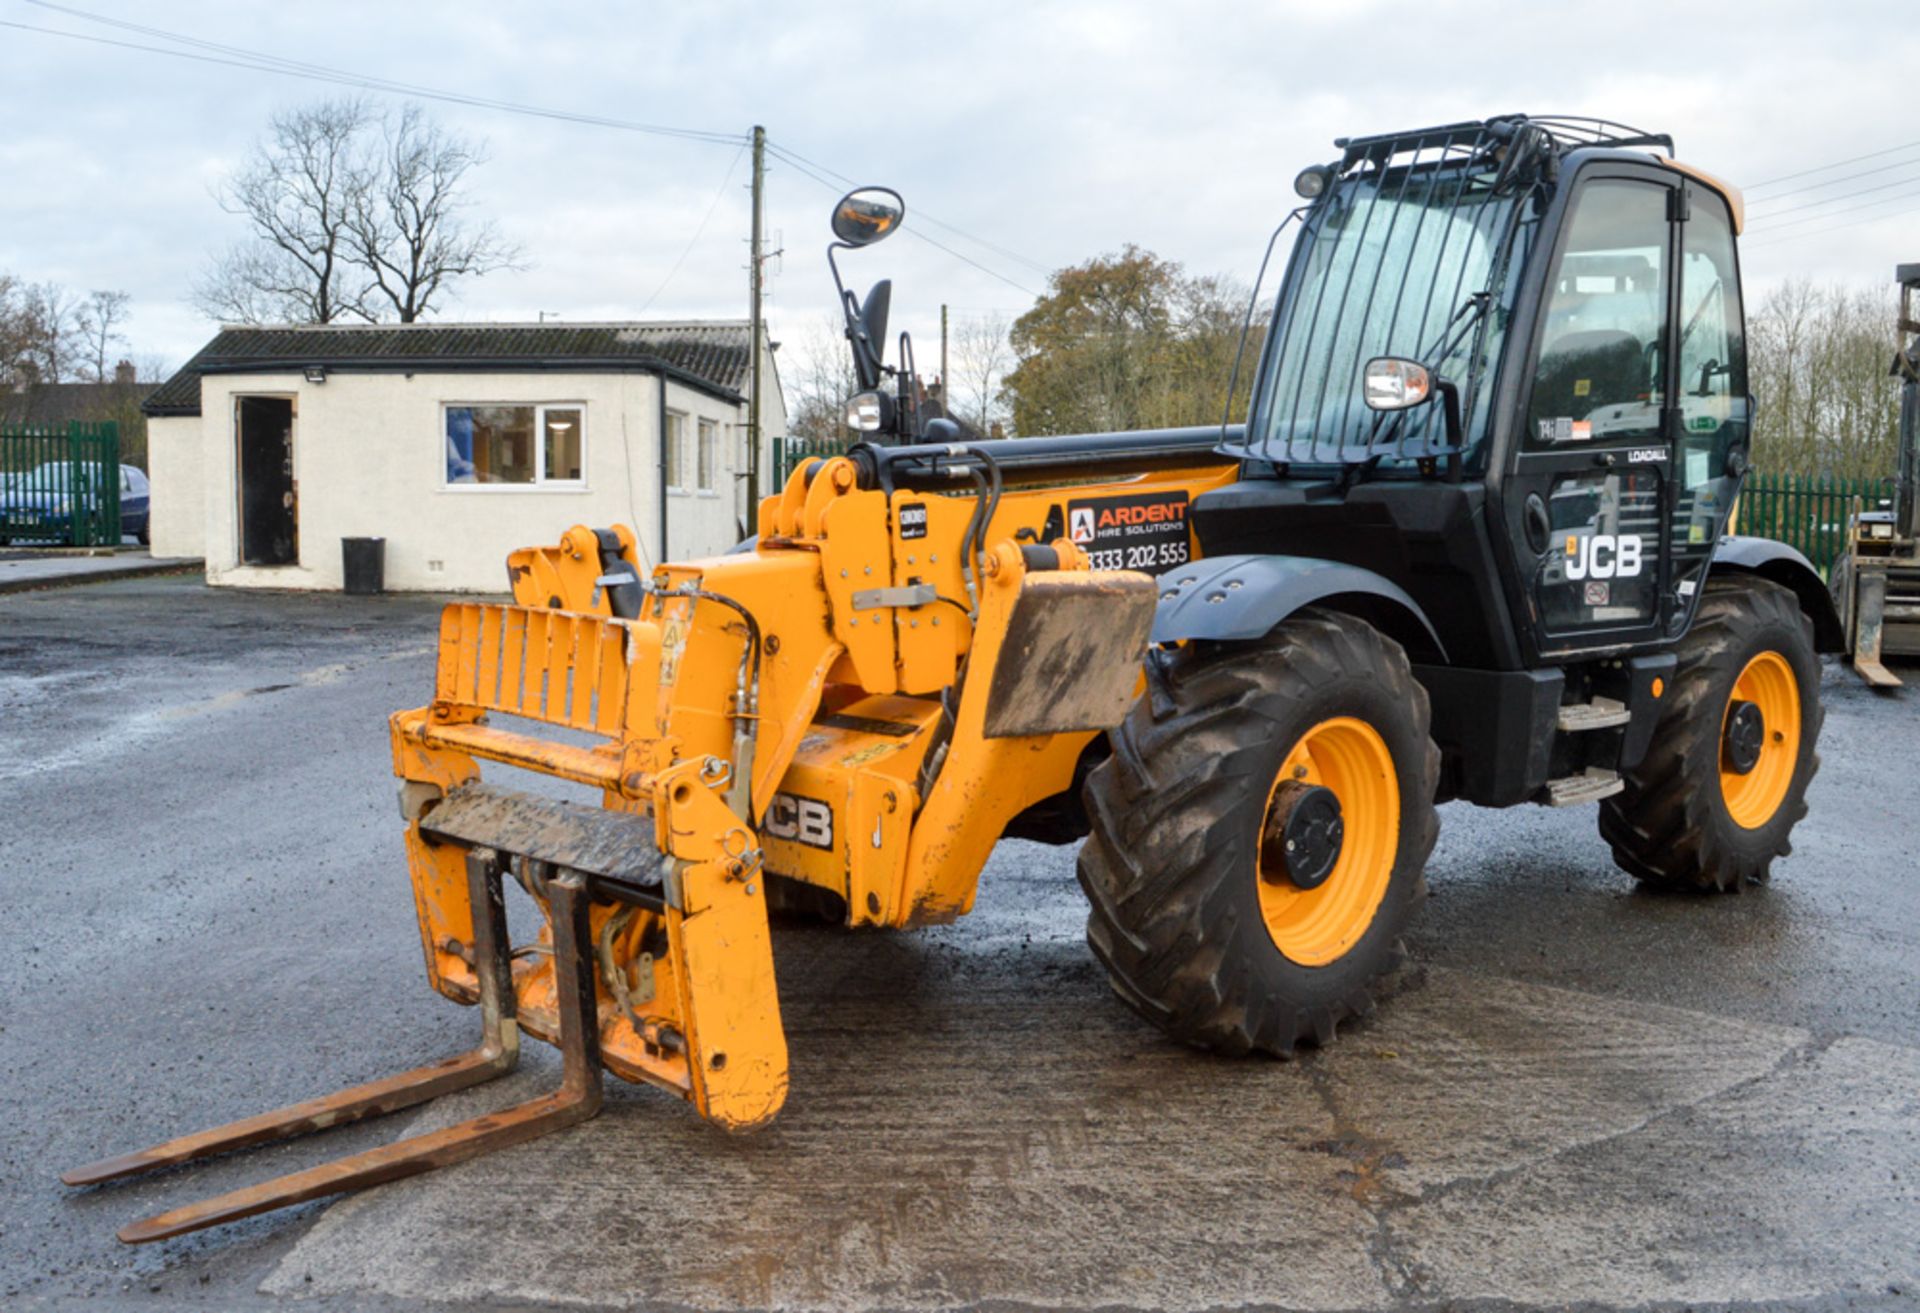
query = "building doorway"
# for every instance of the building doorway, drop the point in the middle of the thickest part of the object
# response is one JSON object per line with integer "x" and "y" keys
{"x": 269, "y": 510}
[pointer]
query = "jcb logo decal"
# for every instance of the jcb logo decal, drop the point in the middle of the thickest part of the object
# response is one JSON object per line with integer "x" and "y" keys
{"x": 1603, "y": 556}
{"x": 802, "y": 820}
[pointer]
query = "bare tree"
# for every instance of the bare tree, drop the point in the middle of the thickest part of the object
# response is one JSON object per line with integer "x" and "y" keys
{"x": 817, "y": 379}
{"x": 50, "y": 347}
{"x": 13, "y": 334}
{"x": 97, "y": 325}
{"x": 40, "y": 338}
{"x": 981, "y": 357}
{"x": 408, "y": 230}
{"x": 298, "y": 192}
{"x": 354, "y": 214}
{"x": 1818, "y": 366}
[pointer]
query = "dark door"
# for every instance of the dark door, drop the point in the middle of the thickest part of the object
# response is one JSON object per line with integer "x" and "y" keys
{"x": 269, "y": 530}
{"x": 1586, "y": 492}
{"x": 1713, "y": 408}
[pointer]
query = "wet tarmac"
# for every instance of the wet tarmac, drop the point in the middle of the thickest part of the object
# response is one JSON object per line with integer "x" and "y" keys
{"x": 1585, "y": 1095}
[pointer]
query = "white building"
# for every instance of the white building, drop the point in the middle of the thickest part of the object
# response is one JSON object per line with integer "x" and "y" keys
{"x": 456, "y": 443}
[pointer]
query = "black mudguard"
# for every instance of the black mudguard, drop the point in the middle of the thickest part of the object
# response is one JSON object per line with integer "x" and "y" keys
{"x": 1225, "y": 598}
{"x": 1783, "y": 565}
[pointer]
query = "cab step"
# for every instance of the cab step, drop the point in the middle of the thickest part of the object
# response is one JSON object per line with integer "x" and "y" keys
{"x": 1601, "y": 713}
{"x": 1590, "y": 785}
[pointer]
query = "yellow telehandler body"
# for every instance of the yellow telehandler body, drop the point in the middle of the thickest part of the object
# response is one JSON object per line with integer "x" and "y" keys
{"x": 858, "y": 705}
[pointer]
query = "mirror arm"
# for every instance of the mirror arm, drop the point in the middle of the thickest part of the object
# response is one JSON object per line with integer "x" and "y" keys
{"x": 834, "y": 265}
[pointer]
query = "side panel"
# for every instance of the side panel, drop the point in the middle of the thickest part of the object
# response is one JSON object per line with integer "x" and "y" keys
{"x": 1226, "y": 598}
{"x": 1495, "y": 729}
{"x": 1783, "y": 565}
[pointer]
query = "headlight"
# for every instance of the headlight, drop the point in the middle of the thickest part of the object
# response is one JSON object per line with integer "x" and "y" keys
{"x": 869, "y": 412}
{"x": 1310, "y": 182}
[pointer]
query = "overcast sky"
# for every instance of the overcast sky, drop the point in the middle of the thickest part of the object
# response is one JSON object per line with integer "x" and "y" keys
{"x": 1045, "y": 132}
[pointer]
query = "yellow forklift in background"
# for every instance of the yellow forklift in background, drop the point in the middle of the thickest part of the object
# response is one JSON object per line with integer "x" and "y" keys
{"x": 1876, "y": 581}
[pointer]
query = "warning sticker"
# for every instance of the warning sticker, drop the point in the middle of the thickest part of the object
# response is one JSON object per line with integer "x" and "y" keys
{"x": 1147, "y": 531}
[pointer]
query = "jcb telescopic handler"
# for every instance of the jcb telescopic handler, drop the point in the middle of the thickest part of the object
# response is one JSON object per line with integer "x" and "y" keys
{"x": 1467, "y": 544}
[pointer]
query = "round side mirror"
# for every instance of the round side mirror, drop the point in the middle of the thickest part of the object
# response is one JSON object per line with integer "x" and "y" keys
{"x": 864, "y": 216}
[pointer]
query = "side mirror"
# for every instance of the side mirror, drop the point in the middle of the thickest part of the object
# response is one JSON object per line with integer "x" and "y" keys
{"x": 868, "y": 214}
{"x": 1393, "y": 383}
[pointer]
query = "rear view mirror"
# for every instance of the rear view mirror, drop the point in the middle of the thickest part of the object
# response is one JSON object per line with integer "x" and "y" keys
{"x": 864, "y": 216}
{"x": 1392, "y": 383}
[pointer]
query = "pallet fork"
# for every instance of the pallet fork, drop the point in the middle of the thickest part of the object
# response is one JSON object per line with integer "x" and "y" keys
{"x": 576, "y": 1099}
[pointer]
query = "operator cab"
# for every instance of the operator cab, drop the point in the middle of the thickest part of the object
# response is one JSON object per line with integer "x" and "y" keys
{"x": 1516, "y": 346}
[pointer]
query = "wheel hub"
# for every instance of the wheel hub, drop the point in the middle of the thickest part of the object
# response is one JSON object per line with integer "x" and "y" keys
{"x": 1746, "y": 733}
{"x": 1303, "y": 835}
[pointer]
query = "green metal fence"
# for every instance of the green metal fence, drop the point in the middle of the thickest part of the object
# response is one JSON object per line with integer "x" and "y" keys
{"x": 789, "y": 452}
{"x": 1809, "y": 513}
{"x": 60, "y": 484}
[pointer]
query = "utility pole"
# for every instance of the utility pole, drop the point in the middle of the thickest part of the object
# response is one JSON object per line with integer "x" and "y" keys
{"x": 946, "y": 379}
{"x": 757, "y": 334}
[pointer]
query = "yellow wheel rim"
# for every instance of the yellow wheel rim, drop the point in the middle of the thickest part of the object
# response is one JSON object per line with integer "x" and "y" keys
{"x": 1754, "y": 796}
{"x": 1316, "y": 926}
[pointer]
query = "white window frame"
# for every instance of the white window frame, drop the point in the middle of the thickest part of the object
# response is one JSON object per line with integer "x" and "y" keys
{"x": 541, "y": 483}
{"x": 707, "y": 450}
{"x": 682, "y": 488}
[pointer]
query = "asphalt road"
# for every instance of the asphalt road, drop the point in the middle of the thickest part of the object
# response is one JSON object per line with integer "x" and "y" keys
{"x": 1585, "y": 1096}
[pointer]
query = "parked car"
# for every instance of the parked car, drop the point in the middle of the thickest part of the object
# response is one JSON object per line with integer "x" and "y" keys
{"x": 38, "y": 505}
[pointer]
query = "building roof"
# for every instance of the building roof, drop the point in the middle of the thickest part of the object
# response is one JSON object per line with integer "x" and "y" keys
{"x": 711, "y": 356}
{"x": 61, "y": 403}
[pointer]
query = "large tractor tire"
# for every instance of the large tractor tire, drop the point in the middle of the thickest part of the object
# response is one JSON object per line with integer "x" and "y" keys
{"x": 1259, "y": 834}
{"x": 1725, "y": 780}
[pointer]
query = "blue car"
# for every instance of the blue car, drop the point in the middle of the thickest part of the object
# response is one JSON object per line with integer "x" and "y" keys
{"x": 40, "y": 505}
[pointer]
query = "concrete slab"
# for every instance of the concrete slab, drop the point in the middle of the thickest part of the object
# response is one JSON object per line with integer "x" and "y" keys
{"x": 21, "y": 572}
{"x": 1670, "y": 1212}
{"x": 961, "y": 1142}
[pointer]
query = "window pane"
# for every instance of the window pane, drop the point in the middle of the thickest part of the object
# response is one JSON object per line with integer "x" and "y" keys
{"x": 1600, "y": 353}
{"x": 500, "y": 444}
{"x": 709, "y": 441}
{"x": 563, "y": 444}
{"x": 676, "y": 460}
{"x": 1713, "y": 386}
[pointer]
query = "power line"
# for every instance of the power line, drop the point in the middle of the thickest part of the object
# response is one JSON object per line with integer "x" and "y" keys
{"x": 698, "y": 233}
{"x": 1015, "y": 256}
{"x": 1845, "y": 196}
{"x": 1770, "y": 238}
{"x": 211, "y": 52}
{"x": 1834, "y": 182}
{"x": 1851, "y": 223}
{"x": 262, "y": 63}
{"x": 793, "y": 162}
{"x": 1837, "y": 164}
{"x": 1771, "y": 231}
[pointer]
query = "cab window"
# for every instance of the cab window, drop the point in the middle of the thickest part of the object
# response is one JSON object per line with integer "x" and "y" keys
{"x": 1714, "y": 417}
{"x": 1601, "y": 347}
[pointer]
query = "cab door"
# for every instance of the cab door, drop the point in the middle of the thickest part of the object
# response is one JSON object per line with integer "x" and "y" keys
{"x": 1586, "y": 490}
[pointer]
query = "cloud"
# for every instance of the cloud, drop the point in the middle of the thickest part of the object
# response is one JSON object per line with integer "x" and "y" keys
{"x": 1054, "y": 131}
